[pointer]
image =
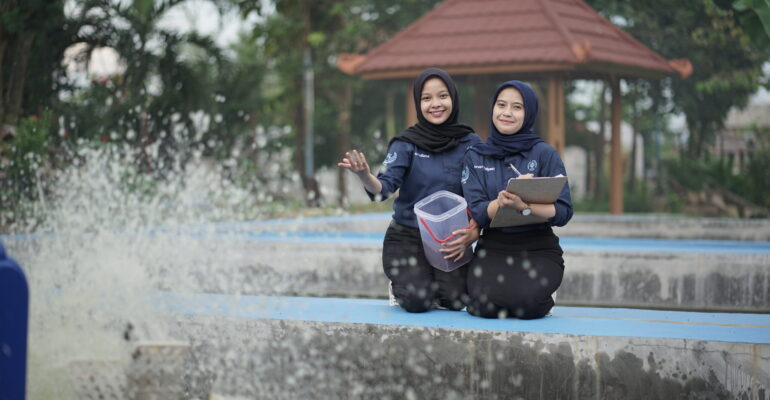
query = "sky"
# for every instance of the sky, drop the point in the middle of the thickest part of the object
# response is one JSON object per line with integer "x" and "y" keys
{"x": 202, "y": 16}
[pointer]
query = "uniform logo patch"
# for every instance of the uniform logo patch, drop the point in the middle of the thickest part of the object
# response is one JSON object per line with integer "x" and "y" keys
{"x": 466, "y": 174}
{"x": 390, "y": 158}
{"x": 531, "y": 165}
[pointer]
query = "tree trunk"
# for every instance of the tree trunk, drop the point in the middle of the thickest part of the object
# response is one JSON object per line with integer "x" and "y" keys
{"x": 254, "y": 149}
{"x": 313, "y": 193}
{"x": 17, "y": 79}
{"x": 590, "y": 167}
{"x": 695, "y": 141}
{"x": 4, "y": 39}
{"x": 344, "y": 101}
{"x": 6, "y": 45}
{"x": 299, "y": 137}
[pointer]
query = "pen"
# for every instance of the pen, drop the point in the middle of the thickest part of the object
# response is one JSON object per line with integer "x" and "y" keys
{"x": 515, "y": 170}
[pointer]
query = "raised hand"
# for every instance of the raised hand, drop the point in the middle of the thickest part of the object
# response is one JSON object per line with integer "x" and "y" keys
{"x": 355, "y": 161}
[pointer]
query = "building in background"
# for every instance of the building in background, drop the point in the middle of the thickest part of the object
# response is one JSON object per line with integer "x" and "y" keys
{"x": 746, "y": 130}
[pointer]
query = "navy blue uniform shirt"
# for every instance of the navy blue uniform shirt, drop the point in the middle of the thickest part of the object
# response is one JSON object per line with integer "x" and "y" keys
{"x": 420, "y": 173}
{"x": 484, "y": 177}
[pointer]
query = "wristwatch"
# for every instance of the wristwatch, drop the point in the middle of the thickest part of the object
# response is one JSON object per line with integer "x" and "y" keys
{"x": 526, "y": 212}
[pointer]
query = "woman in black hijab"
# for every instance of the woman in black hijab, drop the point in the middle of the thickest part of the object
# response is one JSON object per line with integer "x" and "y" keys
{"x": 422, "y": 160}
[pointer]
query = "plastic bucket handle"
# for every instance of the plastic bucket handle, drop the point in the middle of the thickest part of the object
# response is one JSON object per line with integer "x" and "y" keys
{"x": 450, "y": 237}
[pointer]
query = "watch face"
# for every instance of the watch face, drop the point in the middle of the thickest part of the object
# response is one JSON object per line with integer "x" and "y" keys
{"x": 526, "y": 211}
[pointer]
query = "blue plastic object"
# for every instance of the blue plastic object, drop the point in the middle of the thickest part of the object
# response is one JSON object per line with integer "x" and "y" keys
{"x": 14, "y": 317}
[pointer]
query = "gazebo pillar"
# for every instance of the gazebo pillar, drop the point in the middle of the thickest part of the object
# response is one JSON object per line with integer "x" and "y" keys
{"x": 555, "y": 114}
{"x": 411, "y": 113}
{"x": 616, "y": 155}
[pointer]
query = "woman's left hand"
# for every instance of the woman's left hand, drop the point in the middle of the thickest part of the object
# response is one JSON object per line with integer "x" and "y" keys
{"x": 456, "y": 248}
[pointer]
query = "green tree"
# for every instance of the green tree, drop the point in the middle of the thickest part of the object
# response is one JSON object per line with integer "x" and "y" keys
{"x": 33, "y": 35}
{"x": 726, "y": 62}
{"x": 168, "y": 79}
{"x": 327, "y": 28}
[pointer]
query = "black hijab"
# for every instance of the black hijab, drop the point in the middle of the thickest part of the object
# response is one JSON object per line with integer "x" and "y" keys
{"x": 499, "y": 145}
{"x": 427, "y": 136}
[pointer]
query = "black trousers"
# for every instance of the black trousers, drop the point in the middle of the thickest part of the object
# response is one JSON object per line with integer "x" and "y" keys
{"x": 515, "y": 274}
{"x": 416, "y": 284}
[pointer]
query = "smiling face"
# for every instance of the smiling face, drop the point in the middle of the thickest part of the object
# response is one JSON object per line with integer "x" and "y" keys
{"x": 435, "y": 101}
{"x": 508, "y": 112}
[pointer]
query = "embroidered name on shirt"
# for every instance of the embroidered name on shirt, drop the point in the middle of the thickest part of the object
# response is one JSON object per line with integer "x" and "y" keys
{"x": 421, "y": 155}
{"x": 484, "y": 168}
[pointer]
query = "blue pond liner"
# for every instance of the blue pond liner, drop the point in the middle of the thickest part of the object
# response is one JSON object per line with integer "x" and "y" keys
{"x": 612, "y": 322}
{"x": 567, "y": 243}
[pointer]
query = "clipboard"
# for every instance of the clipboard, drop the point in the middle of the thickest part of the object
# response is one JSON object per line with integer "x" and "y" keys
{"x": 543, "y": 190}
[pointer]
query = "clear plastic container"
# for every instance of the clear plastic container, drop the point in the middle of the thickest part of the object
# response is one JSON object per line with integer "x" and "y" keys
{"x": 438, "y": 215}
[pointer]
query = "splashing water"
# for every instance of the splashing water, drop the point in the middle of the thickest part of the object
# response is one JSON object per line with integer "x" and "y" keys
{"x": 103, "y": 239}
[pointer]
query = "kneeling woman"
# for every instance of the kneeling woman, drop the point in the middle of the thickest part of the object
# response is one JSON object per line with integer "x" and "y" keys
{"x": 515, "y": 270}
{"x": 422, "y": 160}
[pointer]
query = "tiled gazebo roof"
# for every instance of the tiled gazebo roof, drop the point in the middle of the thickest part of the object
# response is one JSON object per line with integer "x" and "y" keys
{"x": 499, "y": 36}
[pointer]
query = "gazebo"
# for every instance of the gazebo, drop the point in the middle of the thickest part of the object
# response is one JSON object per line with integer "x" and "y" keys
{"x": 489, "y": 41}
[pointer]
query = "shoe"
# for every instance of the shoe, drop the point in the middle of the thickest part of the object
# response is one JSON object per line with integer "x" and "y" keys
{"x": 391, "y": 298}
{"x": 437, "y": 306}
